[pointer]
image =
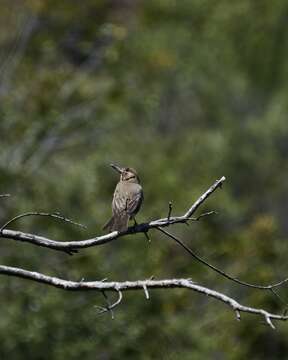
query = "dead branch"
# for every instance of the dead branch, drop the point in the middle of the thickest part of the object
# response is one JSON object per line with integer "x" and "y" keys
{"x": 71, "y": 246}
{"x": 4, "y": 195}
{"x": 121, "y": 287}
{"x": 68, "y": 246}
{"x": 35, "y": 213}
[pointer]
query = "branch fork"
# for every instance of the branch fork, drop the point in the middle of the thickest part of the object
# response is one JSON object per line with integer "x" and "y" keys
{"x": 104, "y": 286}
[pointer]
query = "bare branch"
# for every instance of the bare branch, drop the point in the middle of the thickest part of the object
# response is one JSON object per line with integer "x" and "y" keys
{"x": 34, "y": 213}
{"x": 4, "y": 195}
{"x": 202, "y": 215}
{"x": 121, "y": 287}
{"x": 194, "y": 207}
{"x": 71, "y": 246}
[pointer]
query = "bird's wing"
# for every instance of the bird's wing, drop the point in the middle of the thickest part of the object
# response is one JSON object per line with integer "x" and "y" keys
{"x": 127, "y": 198}
{"x": 119, "y": 200}
{"x": 134, "y": 199}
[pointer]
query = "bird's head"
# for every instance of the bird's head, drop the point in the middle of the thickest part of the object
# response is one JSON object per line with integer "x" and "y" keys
{"x": 127, "y": 174}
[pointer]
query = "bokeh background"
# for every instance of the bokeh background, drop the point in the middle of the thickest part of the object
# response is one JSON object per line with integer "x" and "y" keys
{"x": 184, "y": 91}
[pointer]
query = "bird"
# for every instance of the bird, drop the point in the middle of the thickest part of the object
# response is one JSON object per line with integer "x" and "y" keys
{"x": 127, "y": 199}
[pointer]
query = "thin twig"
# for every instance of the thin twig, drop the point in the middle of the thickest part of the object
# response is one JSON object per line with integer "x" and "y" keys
{"x": 274, "y": 292}
{"x": 147, "y": 236}
{"x": 34, "y": 213}
{"x": 202, "y": 215}
{"x": 221, "y": 272}
{"x": 145, "y": 232}
{"x": 109, "y": 306}
{"x": 169, "y": 210}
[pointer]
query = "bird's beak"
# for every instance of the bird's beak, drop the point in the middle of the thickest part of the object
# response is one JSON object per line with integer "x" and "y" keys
{"x": 117, "y": 168}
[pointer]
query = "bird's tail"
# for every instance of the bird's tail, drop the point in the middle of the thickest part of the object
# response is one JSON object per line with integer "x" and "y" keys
{"x": 117, "y": 223}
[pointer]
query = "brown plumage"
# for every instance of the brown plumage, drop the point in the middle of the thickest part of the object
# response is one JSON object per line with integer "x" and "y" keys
{"x": 127, "y": 199}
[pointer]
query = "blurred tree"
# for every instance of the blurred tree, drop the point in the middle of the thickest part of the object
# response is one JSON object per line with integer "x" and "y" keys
{"x": 188, "y": 90}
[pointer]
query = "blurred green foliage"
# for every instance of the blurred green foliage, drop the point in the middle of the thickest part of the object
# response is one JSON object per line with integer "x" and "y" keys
{"x": 185, "y": 92}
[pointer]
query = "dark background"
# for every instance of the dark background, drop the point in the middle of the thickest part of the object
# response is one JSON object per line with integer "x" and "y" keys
{"x": 184, "y": 91}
